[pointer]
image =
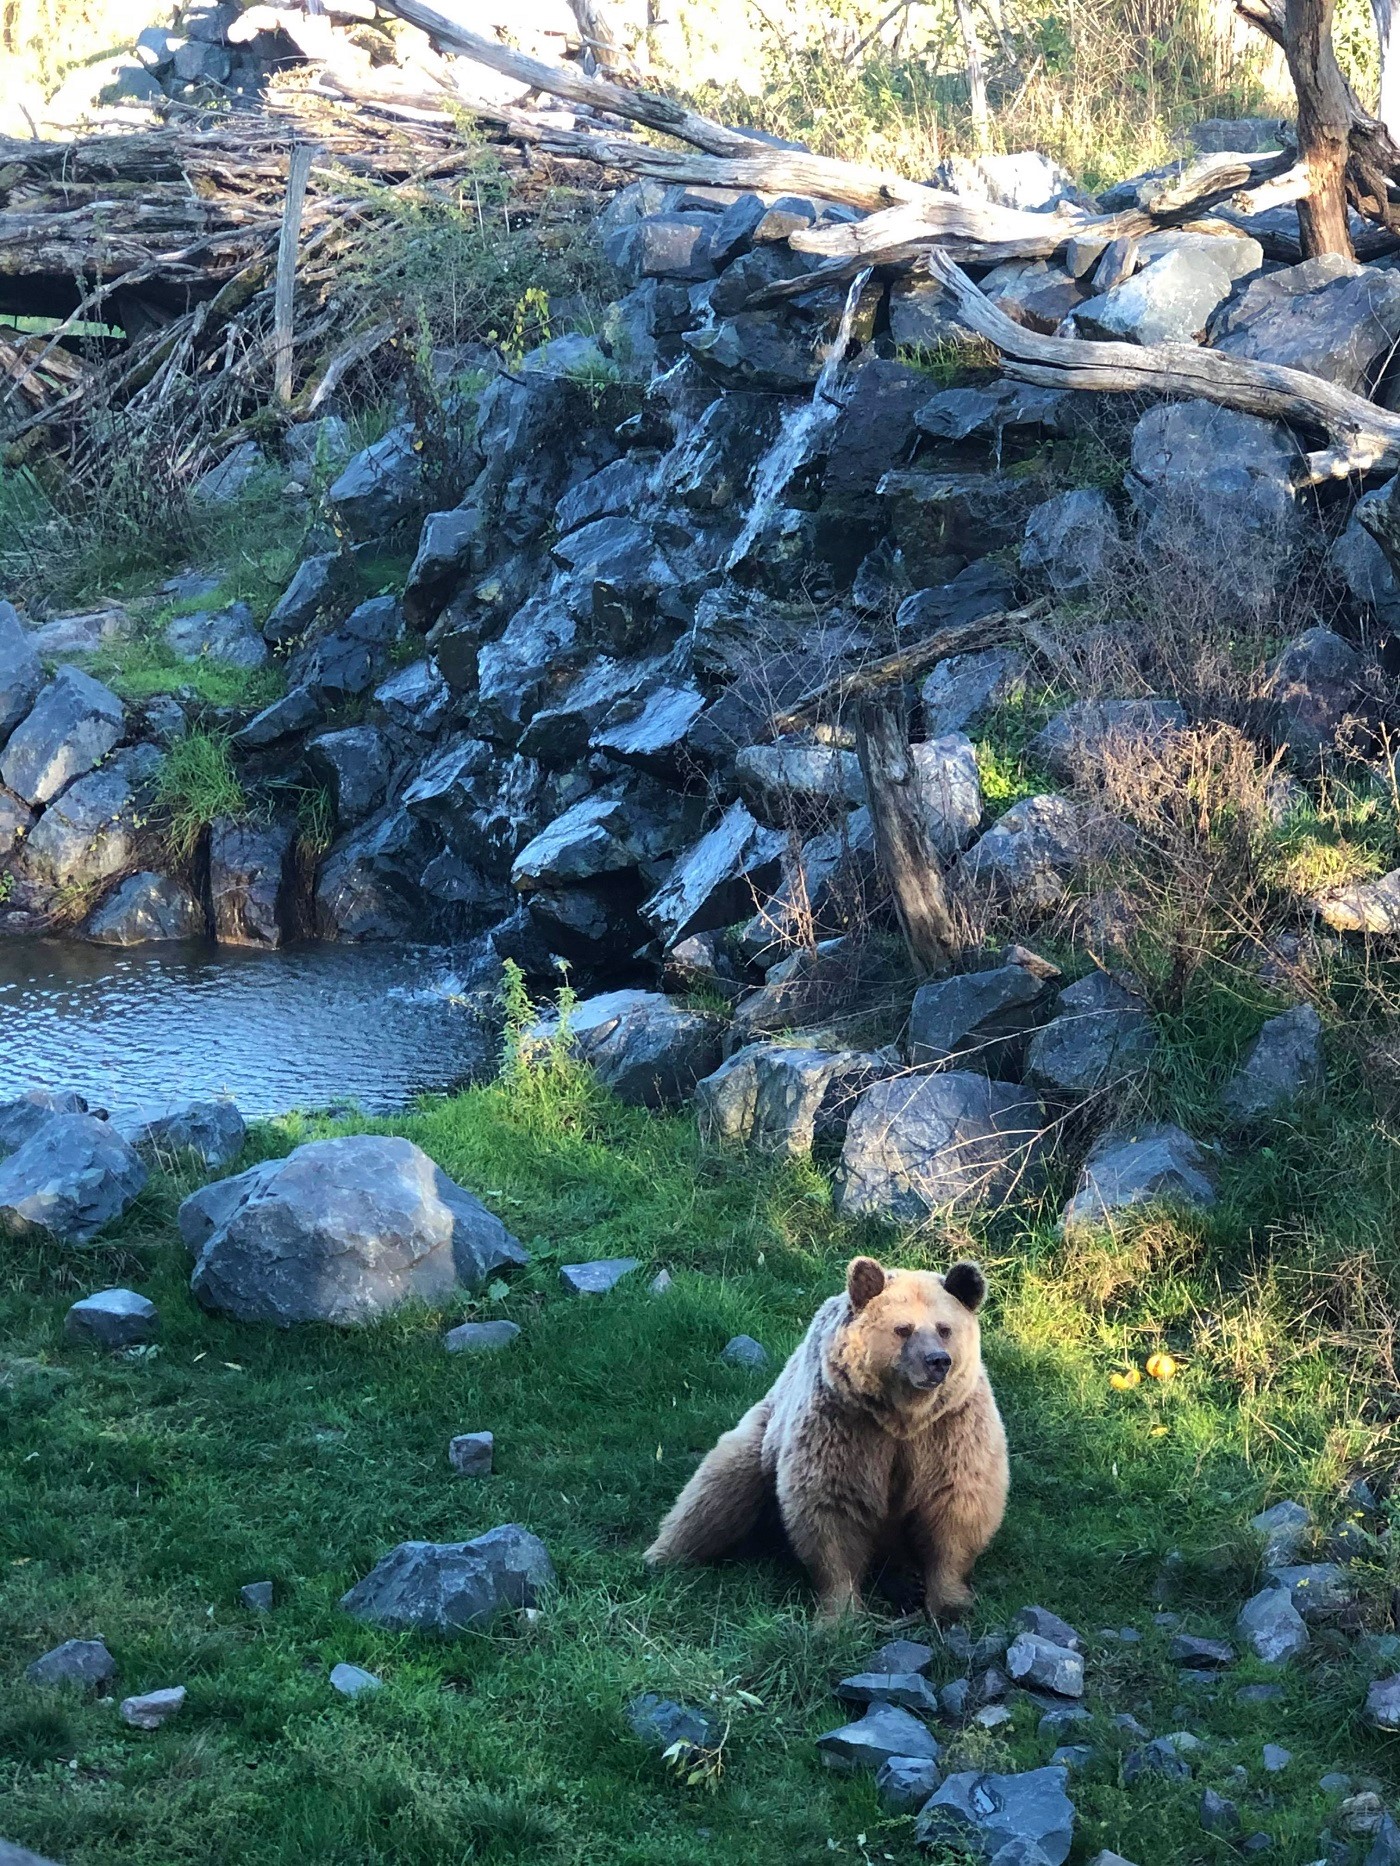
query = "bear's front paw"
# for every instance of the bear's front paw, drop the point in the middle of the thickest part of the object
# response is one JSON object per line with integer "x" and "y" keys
{"x": 947, "y": 1600}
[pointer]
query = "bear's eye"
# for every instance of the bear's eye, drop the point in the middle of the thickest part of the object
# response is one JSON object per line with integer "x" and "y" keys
{"x": 905, "y": 1330}
{"x": 945, "y": 1333}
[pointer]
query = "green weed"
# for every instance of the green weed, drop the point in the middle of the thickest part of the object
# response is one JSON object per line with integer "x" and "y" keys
{"x": 195, "y": 785}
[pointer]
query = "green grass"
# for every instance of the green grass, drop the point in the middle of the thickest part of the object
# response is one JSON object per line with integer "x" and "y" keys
{"x": 138, "y": 1493}
{"x": 195, "y": 784}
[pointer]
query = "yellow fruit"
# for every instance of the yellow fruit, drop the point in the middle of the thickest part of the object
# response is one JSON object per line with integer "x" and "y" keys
{"x": 1124, "y": 1383}
{"x": 1161, "y": 1366}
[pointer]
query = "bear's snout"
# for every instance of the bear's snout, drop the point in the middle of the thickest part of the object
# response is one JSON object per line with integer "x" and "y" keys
{"x": 927, "y": 1362}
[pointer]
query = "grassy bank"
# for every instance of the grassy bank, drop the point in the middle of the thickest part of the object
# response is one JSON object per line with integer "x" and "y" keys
{"x": 138, "y": 1493}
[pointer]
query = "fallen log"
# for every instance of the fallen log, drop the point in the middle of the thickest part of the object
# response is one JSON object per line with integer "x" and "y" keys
{"x": 1364, "y": 437}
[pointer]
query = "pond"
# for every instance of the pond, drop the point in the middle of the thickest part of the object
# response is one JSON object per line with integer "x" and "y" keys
{"x": 306, "y": 1027}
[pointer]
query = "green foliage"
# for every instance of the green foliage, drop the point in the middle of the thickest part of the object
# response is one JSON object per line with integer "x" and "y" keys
{"x": 196, "y": 783}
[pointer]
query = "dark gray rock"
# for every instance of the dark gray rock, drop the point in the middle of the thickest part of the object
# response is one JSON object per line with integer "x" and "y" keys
{"x": 1170, "y": 1757}
{"x": 788, "y": 783}
{"x": 72, "y": 1176}
{"x": 610, "y": 492}
{"x": 982, "y": 589}
{"x": 16, "y": 821}
{"x": 1272, "y": 1627}
{"x": 1223, "y": 135}
{"x": 448, "y": 1587}
{"x": 883, "y": 1732}
{"x": 662, "y": 246}
{"x": 1047, "y": 1625}
{"x": 381, "y": 486}
{"x": 592, "y": 838}
{"x": 1285, "y": 1528}
{"x": 758, "y": 351}
{"x": 355, "y": 765}
{"x": 344, "y": 663}
{"x": 1100, "y": 1035}
{"x": 1329, "y": 316}
{"x": 901, "y": 1655}
{"x": 652, "y": 729}
{"x": 1385, "y": 1848}
{"x": 1316, "y": 686}
{"x": 920, "y": 1145}
{"x": 908, "y": 1689}
{"x": 1125, "y": 1170}
{"x": 1081, "y": 739}
{"x": 447, "y": 547}
{"x": 1275, "y": 1758}
{"x": 27, "y": 1113}
{"x": 80, "y": 1662}
{"x": 744, "y": 1351}
{"x": 480, "y": 1337}
{"x": 152, "y": 1708}
{"x": 227, "y": 635}
{"x": 714, "y": 882}
{"x": 214, "y": 1131}
{"x": 986, "y": 1813}
{"x": 963, "y": 691}
{"x": 1218, "y": 1814}
{"x": 529, "y": 668}
{"x": 1201, "y": 1655}
{"x": 1028, "y": 857}
{"x": 1317, "y": 1589}
{"x": 340, "y": 1231}
{"x": 353, "y": 1681}
{"x": 295, "y": 713}
{"x": 71, "y": 727}
{"x": 21, "y": 671}
{"x": 939, "y": 519}
{"x": 904, "y": 1783}
{"x": 417, "y": 699}
{"x": 470, "y": 1453}
{"x": 256, "y": 1596}
{"x": 230, "y": 477}
{"x": 1283, "y": 1066}
{"x": 993, "y": 409}
{"x": 1382, "y": 1708}
{"x": 1044, "y": 1665}
{"x": 247, "y": 870}
{"x": 648, "y": 1050}
{"x": 146, "y": 908}
{"x": 307, "y": 599}
{"x": 949, "y": 788}
{"x": 1361, "y": 563}
{"x": 923, "y": 315}
{"x": 1169, "y": 301}
{"x": 980, "y": 1019}
{"x": 91, "y": 831}
{"x": 661, "y": 1722}
{"x": 1070, "y": 541}
{"x": 113, "y": 1318}
{"x": 598, "y": 1277}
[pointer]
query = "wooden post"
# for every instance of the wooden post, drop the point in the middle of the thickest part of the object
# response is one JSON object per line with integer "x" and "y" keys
{"x": 976, "y": 77}
{"x": 1324, "y": 126}
{"x": 903, "y": 846}
{"x": 284, "y": 295}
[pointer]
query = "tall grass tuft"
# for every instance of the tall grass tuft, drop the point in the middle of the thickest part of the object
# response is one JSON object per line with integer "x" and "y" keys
{"x": 197, "y": 784}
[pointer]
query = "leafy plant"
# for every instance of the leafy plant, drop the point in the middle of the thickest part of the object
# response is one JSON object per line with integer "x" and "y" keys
{"x": 195, "y": 785}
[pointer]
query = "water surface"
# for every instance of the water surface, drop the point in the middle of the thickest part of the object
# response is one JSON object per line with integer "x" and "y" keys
{"x": 306, "y": 1027}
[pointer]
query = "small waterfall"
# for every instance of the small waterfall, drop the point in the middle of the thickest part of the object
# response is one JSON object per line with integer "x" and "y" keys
{"x": 802, "y": 428}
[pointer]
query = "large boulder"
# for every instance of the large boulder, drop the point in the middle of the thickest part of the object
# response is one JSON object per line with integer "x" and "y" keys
{"x": 71, "y": 727}
{"x": 1079, "y": 741}
{"x": 227, "y": 635}
{"x": 949, "y": 788}
{"x": 72, "y": 1176}
{"x": 247, "y": 868}
{"x": 345, "y": 662}
{"x": 90, "y": 832}
{"x": 793, "y": 783}
{"x": 340, "y": 1231}
{"x": 27, "y": 1113}
{"x": 923, "y": 1144}
{"x": 1169, "y": 301}
{"x": 980, "y": 1020}
{"x": 307, "y": 599}
{"x": 213, "y": 1131}
{"x": 1100, "y": 1036}
{"x": 645, "y": 1048}
{"x": 941, "y": 520}
{"x": 1284, "y": 1065}
{"x": 980, "y": 589}
{"x": 985, "y": 1814}
{"x": 355, "y": 765}
{"x": 717, "y": 879}
{"x": 783, "y": 1099}
{"x": 381, "y": 486}
{"x": 1155, "y": 1165}
{"x": 448, "y": 548}
{"x": 1028, "y": 857}
{"x": 21, "y": 672}
{"x": 448, "y": 1587}
{"x": 146, "y": 908}
{"x": 593, "y": 838}
{"x": 1361, "y": 563}
{"x": 1329, "y": 316}
{"x": 1317, "y": 693}
{"x": 963, "y": 691}
{"x": 1070, "y": 541}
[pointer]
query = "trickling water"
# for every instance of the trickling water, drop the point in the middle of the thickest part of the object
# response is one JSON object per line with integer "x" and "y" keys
{"x": 304, "y": 1027}
{"x": 802, "y": 429}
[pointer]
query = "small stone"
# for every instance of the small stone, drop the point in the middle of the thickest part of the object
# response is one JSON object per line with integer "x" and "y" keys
{"x": 883, "y": 1732}
{"x": 1284, "y": 1527}
{"x": 480, "y": 1337}
{"x": 470, "y": 1454}
{"x": 351, "y": 1680}
{"x": 1257, "y": 1843}
{"x": 446, "y": 1587}
{"x": 1047, "y": 1625}
{"x": 257, "y": 1596}
{"x": 1105, "y": 1858}
{"x": 1129, "y": 1726}
{"x": 1276, "y": 1758}
{"x": 904, "y": 1783}
{"x": 992, "y": 1717}
{"x": 660, "y": 1283}
{"x": 153, "y": 1709}
{"x": 596, "y": 1279}
{"x": 744, "y": 1351}
{"x": 1063, "y": 1719}
{"x": 901, "y": 1655}
{"x": 954, "y": 1700}
{"x": 1272, "y": 1627}
{"x": 1168, "y": 1756}
{"x": 907, "y": 1689}
{"x": 1201, "y": 1654}
{"x": 1335, "y": 1783}
{"x": 1166, "y": 1619}
{"x": 989, "y": 1648}
{"x": 113, "y": 1318}
{"x": 1218, "y": 1815}
{"x": 80, "y": 1662}
{"x": 1259, "y": 1694}
{"x": 1073, "y": 1755}
{"x": 1382, "y": 1710}
{"x": 660, "y": 1722}
{"x": 1032, "y": 1660}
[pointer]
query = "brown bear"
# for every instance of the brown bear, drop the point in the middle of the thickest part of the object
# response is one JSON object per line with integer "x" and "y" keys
{"x": 879, "y": 1438}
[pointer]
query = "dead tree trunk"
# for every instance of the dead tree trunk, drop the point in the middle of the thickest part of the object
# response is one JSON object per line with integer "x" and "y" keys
{"x": 1324, "y": 126}
{"x": 600, "y": 48}
{"x": 976, "y": 77}
{"x": 904, "y": 849}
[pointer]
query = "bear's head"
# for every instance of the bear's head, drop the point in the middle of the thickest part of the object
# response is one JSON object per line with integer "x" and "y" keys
{"x": 912, "y": 1339}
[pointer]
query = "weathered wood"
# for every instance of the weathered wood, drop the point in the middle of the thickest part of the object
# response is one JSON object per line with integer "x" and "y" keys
{"x": 1324, "y": 126}
{"x": 904, "y": 850}
{"x": 1363, "y": 437}
{"x": 298, "y": 172}
{"x": 905, "y": 664}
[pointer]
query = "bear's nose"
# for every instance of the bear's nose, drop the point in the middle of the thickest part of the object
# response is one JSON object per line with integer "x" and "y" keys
{"x": 937, "y": 1361}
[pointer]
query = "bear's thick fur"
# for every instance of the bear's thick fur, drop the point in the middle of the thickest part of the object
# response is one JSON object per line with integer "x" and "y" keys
{"x": 880, "y": 1437}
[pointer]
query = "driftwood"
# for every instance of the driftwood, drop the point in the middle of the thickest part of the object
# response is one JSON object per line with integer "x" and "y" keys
{"x": 904, "y": 851}
{"x": 1364, "y": 437}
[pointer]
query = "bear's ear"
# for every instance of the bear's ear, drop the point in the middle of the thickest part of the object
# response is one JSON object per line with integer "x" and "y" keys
{"x": 967, "y": 1281}
{"x": 864, "y": 1280}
